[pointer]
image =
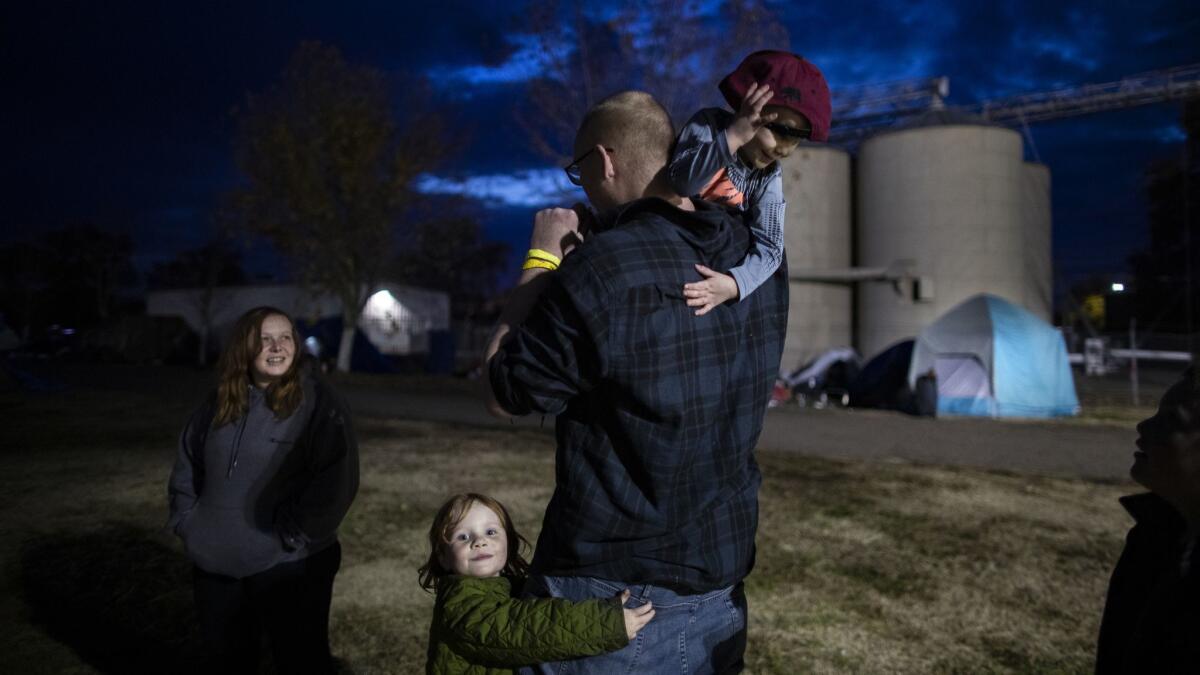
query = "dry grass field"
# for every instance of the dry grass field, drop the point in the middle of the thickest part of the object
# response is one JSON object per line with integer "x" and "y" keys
{"x": 862, "y": 567}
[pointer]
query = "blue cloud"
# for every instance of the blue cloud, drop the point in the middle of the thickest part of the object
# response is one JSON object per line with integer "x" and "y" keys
{"x": 530, "y": 58}
{"x": 530, "y": 188}
{"x": 1076, "y": 44}
{"x": 1172, "y": 133}
{"x": 128, "y": 105}
{"x": 535, "y": 55}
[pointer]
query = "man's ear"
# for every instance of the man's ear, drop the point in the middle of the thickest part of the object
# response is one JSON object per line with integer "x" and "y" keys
{"x": 610, "y": 170}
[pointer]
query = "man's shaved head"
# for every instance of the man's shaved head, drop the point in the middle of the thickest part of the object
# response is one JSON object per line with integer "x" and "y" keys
{"x": 636, "y": 127}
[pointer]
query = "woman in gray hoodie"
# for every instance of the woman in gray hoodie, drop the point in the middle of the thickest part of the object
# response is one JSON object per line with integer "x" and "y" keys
{"x": 267, "y": 468}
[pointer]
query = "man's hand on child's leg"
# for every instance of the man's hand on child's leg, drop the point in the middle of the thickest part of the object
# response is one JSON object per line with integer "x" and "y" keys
{"x": 714, "y": 290}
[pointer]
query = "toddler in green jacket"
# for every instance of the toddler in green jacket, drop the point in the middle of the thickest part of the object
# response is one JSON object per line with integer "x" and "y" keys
{"x": 478, "y": 627}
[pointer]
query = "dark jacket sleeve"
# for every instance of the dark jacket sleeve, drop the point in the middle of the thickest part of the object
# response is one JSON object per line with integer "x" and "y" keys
{"x": 316, "y": 510}
{"x": 183, "y": 487}
{"x": 1151, "y": 616}
{"x": 493, "y": 628}
{"x": 557, "y": 352}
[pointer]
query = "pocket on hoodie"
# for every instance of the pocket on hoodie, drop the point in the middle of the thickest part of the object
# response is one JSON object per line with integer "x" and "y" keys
{"x": 223, "y": 541}
{"x": 285, "y": 446}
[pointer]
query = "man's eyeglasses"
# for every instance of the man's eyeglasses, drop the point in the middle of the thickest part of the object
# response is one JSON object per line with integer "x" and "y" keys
{"x": 790, "y": 133}
{"x": 574, "y": 173}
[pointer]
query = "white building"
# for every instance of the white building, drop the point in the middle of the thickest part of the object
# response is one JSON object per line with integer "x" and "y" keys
{"x": 396, "y": 319}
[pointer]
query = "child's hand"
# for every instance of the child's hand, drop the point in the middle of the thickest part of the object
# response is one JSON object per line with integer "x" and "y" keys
{"x": 749, "y": 117}
{"x": 636, "y": 618}
{"x": 714, "y": 290}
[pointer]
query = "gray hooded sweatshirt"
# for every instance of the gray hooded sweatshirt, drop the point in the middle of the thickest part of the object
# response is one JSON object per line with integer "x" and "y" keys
{"x": 263, "y": 491}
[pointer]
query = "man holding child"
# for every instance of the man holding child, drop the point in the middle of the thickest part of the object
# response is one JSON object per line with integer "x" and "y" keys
{"x": 658, "y": 410}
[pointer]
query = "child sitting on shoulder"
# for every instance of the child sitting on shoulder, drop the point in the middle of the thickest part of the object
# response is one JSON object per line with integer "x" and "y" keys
{"x": 478, "y": 627}
{"x": 733, "y": 158}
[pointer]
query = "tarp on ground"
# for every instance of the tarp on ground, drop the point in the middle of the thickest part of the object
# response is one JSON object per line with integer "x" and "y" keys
{"x": 995, "y": 359}
{"x": 816, "y": 372}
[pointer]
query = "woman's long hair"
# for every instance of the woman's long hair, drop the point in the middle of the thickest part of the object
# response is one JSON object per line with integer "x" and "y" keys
{"x": 245, "y": 343}
{"x": 448, "y": 517}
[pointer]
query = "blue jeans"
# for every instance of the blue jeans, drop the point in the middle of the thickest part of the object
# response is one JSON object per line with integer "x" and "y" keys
{"x": 702, "y": 633}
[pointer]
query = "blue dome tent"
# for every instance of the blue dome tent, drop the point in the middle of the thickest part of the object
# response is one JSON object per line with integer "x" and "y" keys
{"x": 994, "y": 359}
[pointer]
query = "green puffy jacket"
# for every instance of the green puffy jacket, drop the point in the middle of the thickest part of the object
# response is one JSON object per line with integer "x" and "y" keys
{"x": 478, "y": 628}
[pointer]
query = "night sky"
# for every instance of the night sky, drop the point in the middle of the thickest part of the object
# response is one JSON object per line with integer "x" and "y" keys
{"x": 119, "y": 114}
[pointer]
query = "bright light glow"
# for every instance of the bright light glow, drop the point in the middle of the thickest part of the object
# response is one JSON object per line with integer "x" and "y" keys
{"x": 312, "y": 345}
{"x": 1117, "y": 288}
{"x": 385, "y": 315}
{"x": 380, "y": 302}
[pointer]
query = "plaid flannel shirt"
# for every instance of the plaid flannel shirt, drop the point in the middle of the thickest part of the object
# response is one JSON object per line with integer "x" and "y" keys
{"x": 658, "y": 409}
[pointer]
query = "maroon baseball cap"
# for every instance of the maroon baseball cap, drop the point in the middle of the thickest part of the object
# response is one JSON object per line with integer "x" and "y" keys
{"x": 795, "y": 83}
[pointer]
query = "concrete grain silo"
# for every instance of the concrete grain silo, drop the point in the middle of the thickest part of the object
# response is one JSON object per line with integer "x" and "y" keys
{"x": 948, "y": 197}
{"x": 1035, "y": 217}
{"x": 816, "y": 186}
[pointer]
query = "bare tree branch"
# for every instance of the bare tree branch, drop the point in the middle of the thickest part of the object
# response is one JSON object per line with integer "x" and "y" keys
{"x": 675, "y": 49}
{"x": 329, "y": 172}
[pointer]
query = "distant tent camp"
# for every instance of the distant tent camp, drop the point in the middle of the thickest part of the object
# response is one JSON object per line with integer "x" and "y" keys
{"x": 992, "y": 358}
{"x": 882, "y": 383}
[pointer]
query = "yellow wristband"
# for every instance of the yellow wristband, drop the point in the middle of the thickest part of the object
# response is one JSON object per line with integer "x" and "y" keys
{"x": 534, "y": 263}
{"x": 539, "y": 254}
